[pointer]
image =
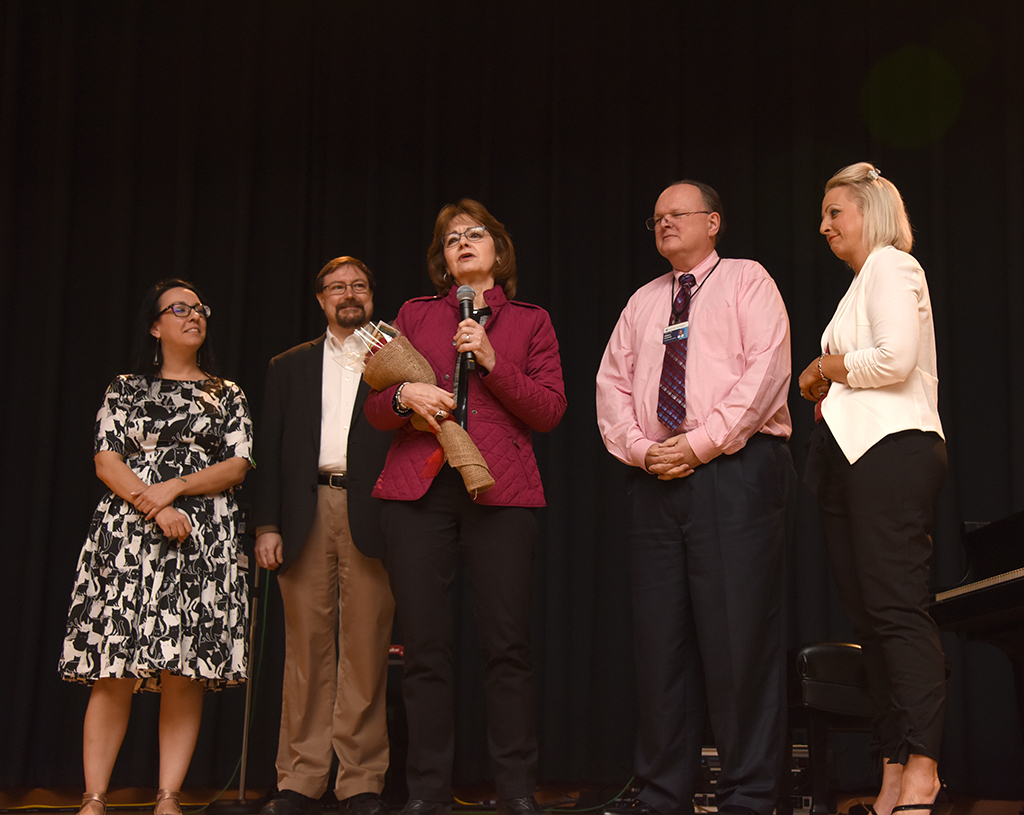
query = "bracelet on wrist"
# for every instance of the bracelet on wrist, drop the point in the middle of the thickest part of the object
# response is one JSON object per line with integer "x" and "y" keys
{"x": 821, "y": 373}
{"x": 397, "y": 404}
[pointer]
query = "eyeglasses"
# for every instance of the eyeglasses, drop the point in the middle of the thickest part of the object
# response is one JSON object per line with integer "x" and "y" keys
{"x": 183, "y": 310}
{"x": 335, "y": 289}
{"x": 474, "y": 234}
{"x": 654, "y": 223}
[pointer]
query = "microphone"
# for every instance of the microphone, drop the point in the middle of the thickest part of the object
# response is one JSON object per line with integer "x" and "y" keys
{"x": 466, "y": 295}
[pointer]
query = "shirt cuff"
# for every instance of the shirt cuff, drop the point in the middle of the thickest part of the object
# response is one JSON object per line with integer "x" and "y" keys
{"x": 701, "y": 444}
{"x": 638, "y": 453}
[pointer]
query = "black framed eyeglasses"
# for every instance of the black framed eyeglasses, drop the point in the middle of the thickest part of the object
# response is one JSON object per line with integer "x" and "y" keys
{"x": 358, "y": 287}
{"x": 183, "y": 310}
{"x": 654, "y": 223}
{"x": 474, "y": 234}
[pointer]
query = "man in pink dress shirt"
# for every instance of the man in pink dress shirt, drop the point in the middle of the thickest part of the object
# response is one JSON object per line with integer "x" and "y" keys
{"x": 708, "y": 514}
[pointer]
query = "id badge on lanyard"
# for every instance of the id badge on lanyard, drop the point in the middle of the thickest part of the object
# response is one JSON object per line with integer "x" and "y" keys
{"x": 675, "y": 332}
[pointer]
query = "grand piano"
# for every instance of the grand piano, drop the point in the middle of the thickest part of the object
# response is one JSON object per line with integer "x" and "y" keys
{"x": 988, "y": 605}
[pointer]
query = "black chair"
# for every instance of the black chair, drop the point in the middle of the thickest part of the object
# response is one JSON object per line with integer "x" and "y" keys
{"x": 827, "y": 692}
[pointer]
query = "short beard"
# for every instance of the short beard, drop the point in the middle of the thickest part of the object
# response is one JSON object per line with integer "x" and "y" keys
{"x": 350, "y": 322}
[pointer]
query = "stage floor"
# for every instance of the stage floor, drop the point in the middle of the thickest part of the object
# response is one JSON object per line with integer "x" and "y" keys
{"x": 558, "y": 799}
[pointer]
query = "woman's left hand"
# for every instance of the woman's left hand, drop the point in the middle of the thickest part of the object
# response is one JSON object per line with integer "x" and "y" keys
{"x": 173, "y": 524}
{"x": 471, "y": 336}
{"x": 157, "y": 496}
{"x": 812, "y": 387}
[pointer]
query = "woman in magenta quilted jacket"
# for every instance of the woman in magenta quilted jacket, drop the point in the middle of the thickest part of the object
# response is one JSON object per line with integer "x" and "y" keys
{"x": 500, "y": 376}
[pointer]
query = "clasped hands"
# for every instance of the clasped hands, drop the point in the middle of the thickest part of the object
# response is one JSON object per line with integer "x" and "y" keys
{"x": 672, "y": 458}
{"x": 156, "y": 499}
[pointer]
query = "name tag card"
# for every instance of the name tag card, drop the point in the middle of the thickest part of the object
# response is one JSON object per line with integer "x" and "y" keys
{"x": 675, "y": 332}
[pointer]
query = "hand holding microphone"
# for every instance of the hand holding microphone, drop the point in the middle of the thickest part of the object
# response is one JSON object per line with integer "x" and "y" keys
{"x": 466, "y": 295}
{"x": 471, "y": 334}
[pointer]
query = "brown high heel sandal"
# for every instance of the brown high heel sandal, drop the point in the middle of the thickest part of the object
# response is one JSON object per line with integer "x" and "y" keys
{"x": 173, "y": 796}
{"x": 93, "y": 798}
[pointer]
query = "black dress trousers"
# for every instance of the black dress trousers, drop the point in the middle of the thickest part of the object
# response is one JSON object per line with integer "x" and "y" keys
{"x": 877, "y": 517}
{"x": 708, "y": 575}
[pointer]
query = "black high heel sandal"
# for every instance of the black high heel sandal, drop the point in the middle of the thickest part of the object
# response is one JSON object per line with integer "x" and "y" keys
{"x": 940, "y": 806}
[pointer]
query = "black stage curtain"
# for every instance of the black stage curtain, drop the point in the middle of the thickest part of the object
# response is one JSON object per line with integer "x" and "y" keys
{"x": 242, "y": 144}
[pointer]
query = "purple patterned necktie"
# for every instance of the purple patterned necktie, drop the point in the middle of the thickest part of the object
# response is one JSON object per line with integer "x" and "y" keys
{"x": 672, "y": 391}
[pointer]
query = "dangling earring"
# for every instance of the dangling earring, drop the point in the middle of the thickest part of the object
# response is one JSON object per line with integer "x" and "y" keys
{"x": 156, "y": 353}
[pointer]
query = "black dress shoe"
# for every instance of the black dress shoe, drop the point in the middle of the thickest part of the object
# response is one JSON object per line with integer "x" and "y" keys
{"x": 629, "y": 806}
{"x": 518, "y": 806}
{"x": 417, "y": 806}
{"x": 289, "y": 802}
{"x": 365, "y": 803}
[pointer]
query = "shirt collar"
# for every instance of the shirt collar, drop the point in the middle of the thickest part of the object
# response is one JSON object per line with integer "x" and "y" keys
{"x": 334, "y": 345}
{"x": 341, "y": 352}
{"x": 701, "y": 270}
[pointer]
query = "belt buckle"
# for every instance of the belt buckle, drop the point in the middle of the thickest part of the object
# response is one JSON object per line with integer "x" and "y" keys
{"x": 336, "y": 481}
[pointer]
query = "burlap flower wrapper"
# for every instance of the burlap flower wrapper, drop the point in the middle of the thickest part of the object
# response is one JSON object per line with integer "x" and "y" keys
{"x": 398, "y": 362}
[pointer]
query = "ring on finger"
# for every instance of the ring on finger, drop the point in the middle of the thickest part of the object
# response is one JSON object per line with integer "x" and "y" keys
{"x": 439, "y": 415}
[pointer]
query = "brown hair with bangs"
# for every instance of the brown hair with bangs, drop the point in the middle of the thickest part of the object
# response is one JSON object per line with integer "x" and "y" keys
{"x": 505, "y": 255}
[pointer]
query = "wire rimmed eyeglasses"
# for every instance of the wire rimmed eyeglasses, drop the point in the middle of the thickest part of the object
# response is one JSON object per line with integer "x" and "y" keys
{"x": 183, "y": 309}
{"x": 474, "y": 234}
{"x": 654, "y": 223}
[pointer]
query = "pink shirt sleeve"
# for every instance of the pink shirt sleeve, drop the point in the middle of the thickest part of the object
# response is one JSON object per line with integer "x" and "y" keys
{"x": 617, "y": 414}
{"x": 752, "y": 398}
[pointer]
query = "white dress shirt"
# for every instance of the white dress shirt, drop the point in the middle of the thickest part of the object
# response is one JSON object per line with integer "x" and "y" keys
{"x": 337, "y": 397}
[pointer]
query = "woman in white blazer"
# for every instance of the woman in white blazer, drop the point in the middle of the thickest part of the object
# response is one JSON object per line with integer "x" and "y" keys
{"x": 879, "y": 460}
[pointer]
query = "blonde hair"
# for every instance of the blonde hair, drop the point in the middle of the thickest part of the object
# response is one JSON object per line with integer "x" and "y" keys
{"x": 885, "y": 218}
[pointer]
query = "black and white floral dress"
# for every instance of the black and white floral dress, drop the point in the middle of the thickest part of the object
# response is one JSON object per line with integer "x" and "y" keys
{"x": 143, "y": 603}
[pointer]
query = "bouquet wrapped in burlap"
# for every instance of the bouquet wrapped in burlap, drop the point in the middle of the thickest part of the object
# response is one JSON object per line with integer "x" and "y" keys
{"x": 392, "y": 359}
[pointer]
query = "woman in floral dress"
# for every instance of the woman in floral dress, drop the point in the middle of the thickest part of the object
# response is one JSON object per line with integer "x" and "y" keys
{"x": 159, "y": 602}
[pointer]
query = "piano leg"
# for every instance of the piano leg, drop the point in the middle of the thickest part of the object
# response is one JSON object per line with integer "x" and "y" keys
{"x": 1018, "y": 678}
{"x": 1011, "y": 643}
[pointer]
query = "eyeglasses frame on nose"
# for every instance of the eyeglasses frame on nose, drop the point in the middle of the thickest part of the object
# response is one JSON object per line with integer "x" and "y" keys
{"x": 653, "y": 223}
{"x": 447, "y": 243}
{"x": 335, "y": 289}
{"x": 201, "y": 310}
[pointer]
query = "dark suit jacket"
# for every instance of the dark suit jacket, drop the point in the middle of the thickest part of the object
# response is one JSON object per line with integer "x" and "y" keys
{"x": 288, "y": 452}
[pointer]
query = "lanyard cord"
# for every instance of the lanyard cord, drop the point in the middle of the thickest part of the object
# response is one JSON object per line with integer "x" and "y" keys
{"x": 694, "y": 292}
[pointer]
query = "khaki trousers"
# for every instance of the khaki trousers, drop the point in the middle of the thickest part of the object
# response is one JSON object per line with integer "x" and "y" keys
{"x": 338, "y": 611}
